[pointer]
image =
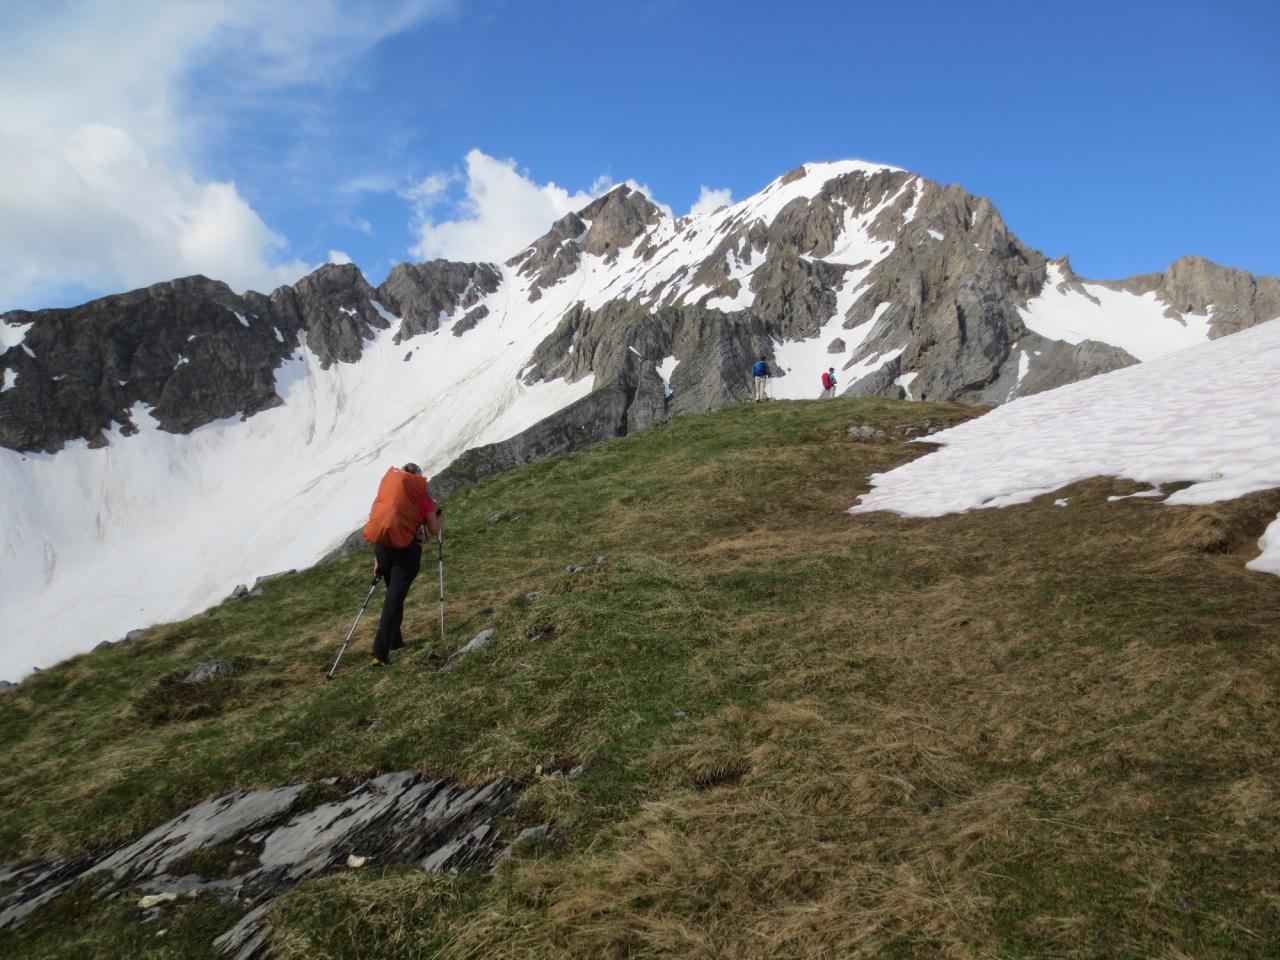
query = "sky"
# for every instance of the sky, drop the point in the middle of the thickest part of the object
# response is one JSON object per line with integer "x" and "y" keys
{"x": 254, "y": 141}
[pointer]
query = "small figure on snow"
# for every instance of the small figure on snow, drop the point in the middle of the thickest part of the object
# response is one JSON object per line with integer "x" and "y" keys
{"x": 829, "y": 383}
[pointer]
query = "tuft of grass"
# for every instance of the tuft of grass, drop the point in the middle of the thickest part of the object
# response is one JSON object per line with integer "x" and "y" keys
{"x": 1035, "y": 731}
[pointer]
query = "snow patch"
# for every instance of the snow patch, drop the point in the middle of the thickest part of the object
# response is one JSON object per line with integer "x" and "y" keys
{"x": 1139, "y": 325}
{"x": 1153, "y": 492}
{"x": 10, "y": 378}
{"x": 1209, "y": 414}
{"x": 665, "y": 369}
{"x": 905, "y": 382}
{"x": 385, "y": 314}
{"x": 12, "y": 334}
{"x": 241, "y": 317}
{"x": 936, "y": 235}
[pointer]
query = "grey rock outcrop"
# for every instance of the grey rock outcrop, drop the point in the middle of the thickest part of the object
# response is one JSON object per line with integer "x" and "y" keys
{"x": 423, "y": 293}
{"x": 393, "y": 818}
{"x": 598, "y": 416}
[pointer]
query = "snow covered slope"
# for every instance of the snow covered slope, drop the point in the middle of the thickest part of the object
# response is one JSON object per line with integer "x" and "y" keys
{"x": 1209, "y": 414}
{"x": 157, "y": 526}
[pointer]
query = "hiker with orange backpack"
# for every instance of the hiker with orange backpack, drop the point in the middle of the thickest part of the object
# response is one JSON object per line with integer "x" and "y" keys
{"x": 401, "y": 510}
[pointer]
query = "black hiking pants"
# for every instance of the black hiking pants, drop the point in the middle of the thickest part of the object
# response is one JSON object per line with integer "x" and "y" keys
{"x": 398, "y": 566}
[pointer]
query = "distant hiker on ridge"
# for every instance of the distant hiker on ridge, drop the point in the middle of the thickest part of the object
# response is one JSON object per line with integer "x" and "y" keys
{"x": 829, "y": 383}
{"x": 399, "y": 513}
{"x": 760, "y": 373}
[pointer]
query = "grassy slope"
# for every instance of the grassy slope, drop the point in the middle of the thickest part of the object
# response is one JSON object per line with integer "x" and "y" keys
{"x": 1027, "y": 732}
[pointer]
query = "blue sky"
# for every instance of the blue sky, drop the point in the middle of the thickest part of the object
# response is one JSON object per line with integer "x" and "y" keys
{"x": 157, "y": 139}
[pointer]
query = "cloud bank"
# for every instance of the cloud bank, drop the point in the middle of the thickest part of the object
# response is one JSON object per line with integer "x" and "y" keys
{"x": 709, "y": 201}
{"x": 100, "y": 186}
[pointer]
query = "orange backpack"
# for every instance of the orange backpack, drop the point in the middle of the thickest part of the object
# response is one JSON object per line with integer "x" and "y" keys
{"x": 393, "y": 518}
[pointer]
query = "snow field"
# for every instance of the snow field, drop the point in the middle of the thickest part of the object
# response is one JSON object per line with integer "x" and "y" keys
{"x": 1209, "y": 414}
{"x": 159, "y": 526}
{"x": 1138, "y": 325}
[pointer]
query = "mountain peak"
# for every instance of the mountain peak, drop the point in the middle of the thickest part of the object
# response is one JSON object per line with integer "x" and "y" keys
{"x": 617, "y": 219}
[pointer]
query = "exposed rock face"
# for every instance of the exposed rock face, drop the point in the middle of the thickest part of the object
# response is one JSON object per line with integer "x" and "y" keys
{"x": 393, "y": 818}
{"x": 421, "y": 294}
{"x": 180, "y": 347}
{"x": 598, "y": 416}
{"x": 601, "y": 228}
{"x": 193, "y": 351}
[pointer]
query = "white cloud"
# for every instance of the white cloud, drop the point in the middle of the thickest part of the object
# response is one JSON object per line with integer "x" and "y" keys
{"x": 501, "y": 211}
{"x": 339, "y": 257}
{"x": 100, "y": 186}
{"x": 709, "y": 201}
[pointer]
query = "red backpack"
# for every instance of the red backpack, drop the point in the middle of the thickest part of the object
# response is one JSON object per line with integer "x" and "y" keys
{"x": 393, "y": 518}
{"x": 826, "y": 380}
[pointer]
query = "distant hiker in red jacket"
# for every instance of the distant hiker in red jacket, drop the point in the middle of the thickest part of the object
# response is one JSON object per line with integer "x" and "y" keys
{"x": 395, "y": 528}
{"x": 829, "y": 383}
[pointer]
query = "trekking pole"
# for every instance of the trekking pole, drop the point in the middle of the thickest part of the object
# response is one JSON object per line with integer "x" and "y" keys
{"x": 372, "y": 587}
{"x": 440, "y": 546}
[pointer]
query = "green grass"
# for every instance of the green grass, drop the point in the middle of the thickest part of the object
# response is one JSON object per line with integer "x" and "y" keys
{"x": 1012, "y": 733}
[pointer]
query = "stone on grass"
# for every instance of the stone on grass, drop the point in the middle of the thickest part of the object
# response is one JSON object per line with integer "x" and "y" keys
{"x": 155, "y": 899}
{"x": 477, "y": 642}
{"x": 574, "y": 568}
{"x": 272, "y": 576}
{"x": 240, "y": 591}
{"x": 210, "y": 669}
{"x": 866, "y": 432}
{"x": 135, "y": 634}
{"x": 600, "y": 560}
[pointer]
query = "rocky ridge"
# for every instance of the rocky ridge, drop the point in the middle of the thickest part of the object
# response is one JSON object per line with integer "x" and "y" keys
{"x": 917, "y": 288}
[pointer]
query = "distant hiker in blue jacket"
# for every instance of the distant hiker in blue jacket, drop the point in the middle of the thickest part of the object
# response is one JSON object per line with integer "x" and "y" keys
{"x": 760, "y": 372}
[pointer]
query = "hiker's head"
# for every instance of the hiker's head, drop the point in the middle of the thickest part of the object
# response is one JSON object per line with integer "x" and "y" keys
{"x": 413, "y": 468}
{"x": 761, "y": 359}
{"x": 831, "y": 370}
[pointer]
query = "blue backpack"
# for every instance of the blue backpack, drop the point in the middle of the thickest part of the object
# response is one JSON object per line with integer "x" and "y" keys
{"x": 761, "y": 369}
